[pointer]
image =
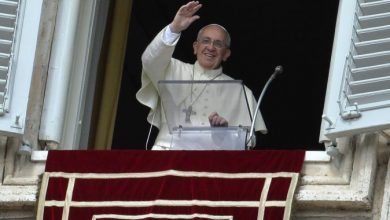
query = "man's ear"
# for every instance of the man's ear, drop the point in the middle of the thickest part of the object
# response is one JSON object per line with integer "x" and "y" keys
{"x": 195, "y": 46}
{"x": 227, "y": 54}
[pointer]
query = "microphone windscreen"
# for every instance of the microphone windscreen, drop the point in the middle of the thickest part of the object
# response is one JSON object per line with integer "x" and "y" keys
{"x": 278, "y": 69}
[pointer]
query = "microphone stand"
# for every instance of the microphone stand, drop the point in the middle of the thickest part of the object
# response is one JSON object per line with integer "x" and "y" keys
{"x": 278, "y": 70}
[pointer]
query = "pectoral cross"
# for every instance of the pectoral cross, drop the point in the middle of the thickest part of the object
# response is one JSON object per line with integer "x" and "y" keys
{"x": 188, "y": 111}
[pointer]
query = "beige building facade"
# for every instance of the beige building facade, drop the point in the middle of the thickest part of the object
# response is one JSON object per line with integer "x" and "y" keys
{"x": 64, "y": 50}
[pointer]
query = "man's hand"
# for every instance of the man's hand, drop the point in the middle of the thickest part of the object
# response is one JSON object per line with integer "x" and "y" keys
{"x": 217, "y": 121}
{"x": 185, "y": 16}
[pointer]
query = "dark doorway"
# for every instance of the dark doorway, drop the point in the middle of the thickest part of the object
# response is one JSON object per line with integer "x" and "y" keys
{"x": 297, "y": 35}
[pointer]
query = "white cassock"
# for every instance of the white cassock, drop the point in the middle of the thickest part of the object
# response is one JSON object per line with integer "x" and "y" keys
{"x": 158, "y": 64}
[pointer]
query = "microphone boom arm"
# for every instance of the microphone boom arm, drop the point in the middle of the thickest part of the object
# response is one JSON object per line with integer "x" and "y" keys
{"x": 278, "y": 70}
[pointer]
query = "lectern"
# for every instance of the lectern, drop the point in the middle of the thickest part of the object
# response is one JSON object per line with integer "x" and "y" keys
{"x": 187, "y": 105}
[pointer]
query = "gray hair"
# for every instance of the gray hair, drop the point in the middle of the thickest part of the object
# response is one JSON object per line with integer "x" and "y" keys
{"x": 228, "y": 39}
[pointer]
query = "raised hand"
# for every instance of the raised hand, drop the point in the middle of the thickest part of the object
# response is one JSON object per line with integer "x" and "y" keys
{"x": 185, "y": 16}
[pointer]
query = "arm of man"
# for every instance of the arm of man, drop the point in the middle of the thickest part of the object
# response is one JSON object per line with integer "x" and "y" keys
{"x": 158, "y": 54}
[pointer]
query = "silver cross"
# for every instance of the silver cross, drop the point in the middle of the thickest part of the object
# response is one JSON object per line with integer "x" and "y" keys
{"x": 188, "y": 111}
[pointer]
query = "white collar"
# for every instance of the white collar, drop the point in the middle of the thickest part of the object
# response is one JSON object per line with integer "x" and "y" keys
{"x": 204, "y": 74}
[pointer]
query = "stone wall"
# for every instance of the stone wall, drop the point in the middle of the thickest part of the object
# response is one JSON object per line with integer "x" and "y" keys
{"x": 355, "y": 185}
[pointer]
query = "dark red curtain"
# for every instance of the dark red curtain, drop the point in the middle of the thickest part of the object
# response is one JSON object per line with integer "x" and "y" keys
{"x": 169, "y": 184}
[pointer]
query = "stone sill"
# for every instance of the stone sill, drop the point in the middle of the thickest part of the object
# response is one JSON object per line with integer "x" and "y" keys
{"x": 17, "y": 196}
{"x": 312, "y": 156}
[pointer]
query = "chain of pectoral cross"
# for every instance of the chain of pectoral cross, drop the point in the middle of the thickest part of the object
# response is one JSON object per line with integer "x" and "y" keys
{"x": 188, "y": 111}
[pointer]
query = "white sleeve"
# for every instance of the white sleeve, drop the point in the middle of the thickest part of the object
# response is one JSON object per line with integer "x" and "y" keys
{"x": 170, "y": 37}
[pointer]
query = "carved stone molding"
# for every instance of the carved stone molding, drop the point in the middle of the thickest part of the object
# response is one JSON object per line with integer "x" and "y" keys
{"x": 346, "y": 183}
{"x": 385, "y": 210}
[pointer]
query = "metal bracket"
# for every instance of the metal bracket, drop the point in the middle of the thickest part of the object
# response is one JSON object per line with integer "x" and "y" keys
{"x": 350, "y": 114}
{"x": 18, "y": 122}
{"x": 25, "y": 149}
{"x": 330, "y": 122}
{"x": 334, "y": 153}
{"x": 332, "y": 150}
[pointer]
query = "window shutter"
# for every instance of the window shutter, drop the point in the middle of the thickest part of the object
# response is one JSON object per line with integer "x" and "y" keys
{"x": 358, "y": 93}
{"x": 19, "y": 23}
{"x": 8, "y": 21}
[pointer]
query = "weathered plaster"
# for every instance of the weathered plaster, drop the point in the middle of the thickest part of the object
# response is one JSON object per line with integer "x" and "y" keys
{"x": 385, "y": 208}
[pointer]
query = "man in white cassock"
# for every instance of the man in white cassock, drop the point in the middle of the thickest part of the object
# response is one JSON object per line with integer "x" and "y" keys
{"x": 211, "y": 48}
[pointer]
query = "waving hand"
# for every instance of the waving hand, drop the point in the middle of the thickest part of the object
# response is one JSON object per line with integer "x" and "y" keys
{"x": 185, "y": 16}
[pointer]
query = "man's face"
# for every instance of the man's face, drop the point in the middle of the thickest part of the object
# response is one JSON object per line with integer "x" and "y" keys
{"x": 210, "y": 48}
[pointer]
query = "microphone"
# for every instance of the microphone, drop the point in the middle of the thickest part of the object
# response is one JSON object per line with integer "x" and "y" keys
{"x": 278, "y": 70}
